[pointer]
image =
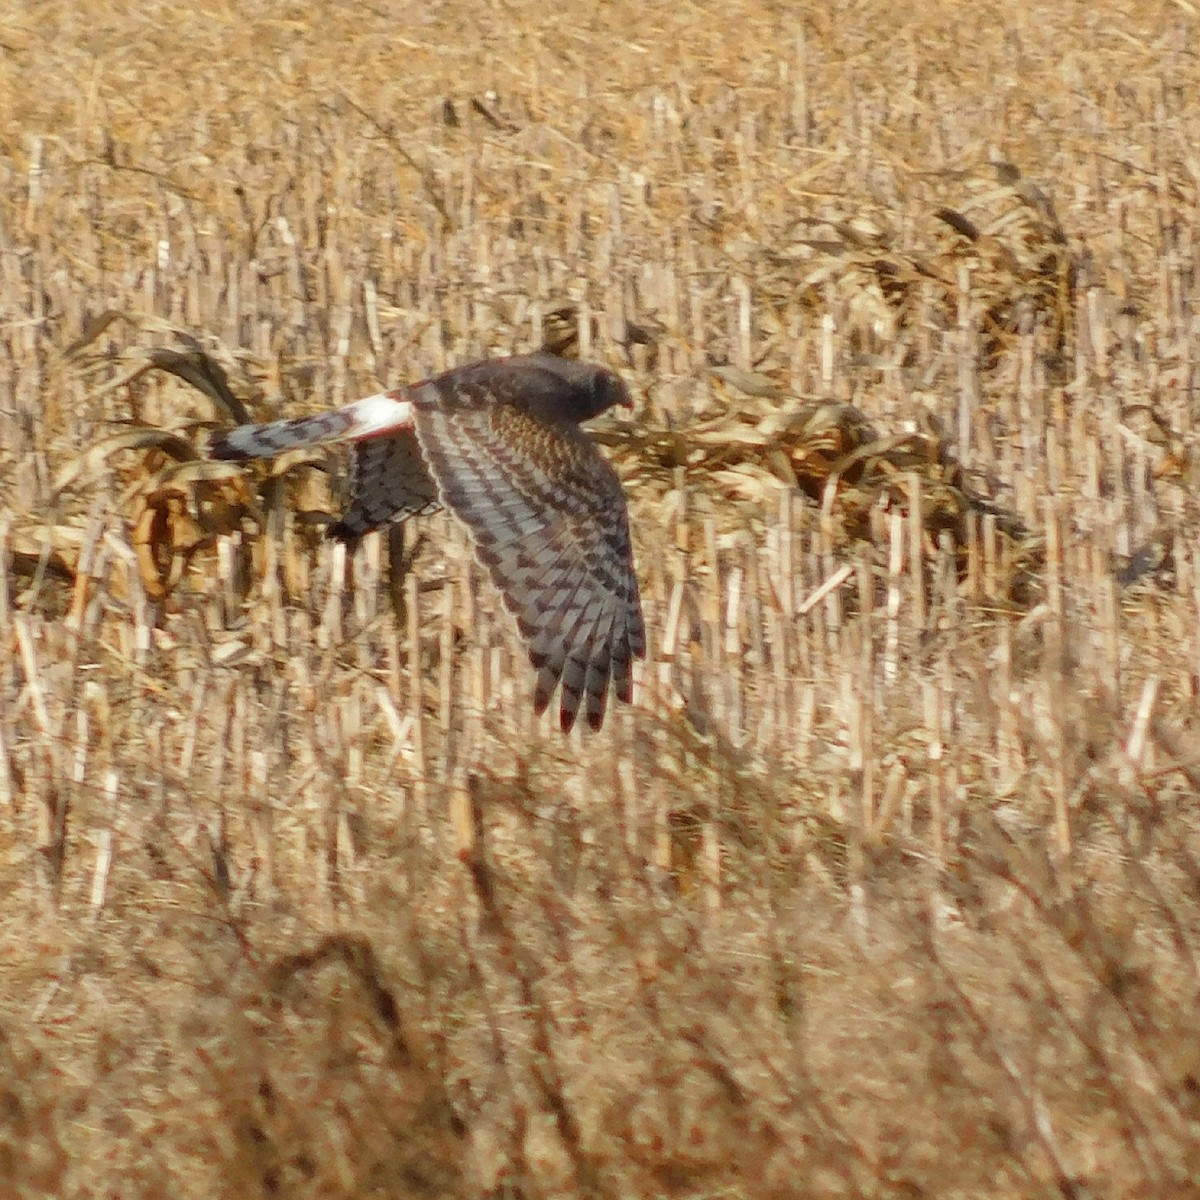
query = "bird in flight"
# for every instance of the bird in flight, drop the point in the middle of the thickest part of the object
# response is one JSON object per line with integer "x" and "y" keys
{"x": 499, "y": 444}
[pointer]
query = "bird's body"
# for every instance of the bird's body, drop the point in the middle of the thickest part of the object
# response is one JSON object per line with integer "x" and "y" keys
{"x": 499, "y": 444}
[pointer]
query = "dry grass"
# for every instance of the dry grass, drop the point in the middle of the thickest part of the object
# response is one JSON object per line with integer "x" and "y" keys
{"x": 889, "y": 883}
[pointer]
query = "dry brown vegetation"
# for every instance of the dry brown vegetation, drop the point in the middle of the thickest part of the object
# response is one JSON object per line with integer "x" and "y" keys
{"x": 888, "y": 885}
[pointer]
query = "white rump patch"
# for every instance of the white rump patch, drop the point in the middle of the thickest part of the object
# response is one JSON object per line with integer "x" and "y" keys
{"x": 381, "y": 413}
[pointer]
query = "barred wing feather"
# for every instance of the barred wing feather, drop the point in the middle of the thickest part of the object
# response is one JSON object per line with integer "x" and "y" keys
{"x": 548, "y": 520}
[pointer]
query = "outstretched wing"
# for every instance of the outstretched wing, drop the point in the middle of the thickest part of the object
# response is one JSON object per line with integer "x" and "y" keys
{"x": 388, "y": 482}
{"x": 548, "y": 518}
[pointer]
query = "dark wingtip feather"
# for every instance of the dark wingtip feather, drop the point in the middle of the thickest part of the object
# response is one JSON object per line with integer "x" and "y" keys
{"x": 622, "y": 675}
{"x": 597, "y": 702}
{"x": 569, "y": 708}
{"x": 599, "y": 673}
{"x": 547, "y": 680}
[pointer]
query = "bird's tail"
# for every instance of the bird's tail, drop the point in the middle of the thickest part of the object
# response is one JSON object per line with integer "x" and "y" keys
{"x": 382, "y": 413}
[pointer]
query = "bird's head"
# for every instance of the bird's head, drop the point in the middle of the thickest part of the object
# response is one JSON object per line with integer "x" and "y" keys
{"x": 591, "y": 389}
{"x": 608, "y": 391}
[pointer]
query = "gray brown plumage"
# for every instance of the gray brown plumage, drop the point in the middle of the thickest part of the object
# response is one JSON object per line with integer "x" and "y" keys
{"x": 499, "y": 444}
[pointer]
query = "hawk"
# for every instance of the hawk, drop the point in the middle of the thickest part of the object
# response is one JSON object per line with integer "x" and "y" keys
{"x": 499, "y": 444}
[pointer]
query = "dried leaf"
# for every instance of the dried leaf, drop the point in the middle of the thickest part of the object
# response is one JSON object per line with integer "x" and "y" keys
{"x": 86, "y": 466}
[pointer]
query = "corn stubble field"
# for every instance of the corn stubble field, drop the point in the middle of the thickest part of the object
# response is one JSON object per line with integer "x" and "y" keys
{"x": 887, "y": 884}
